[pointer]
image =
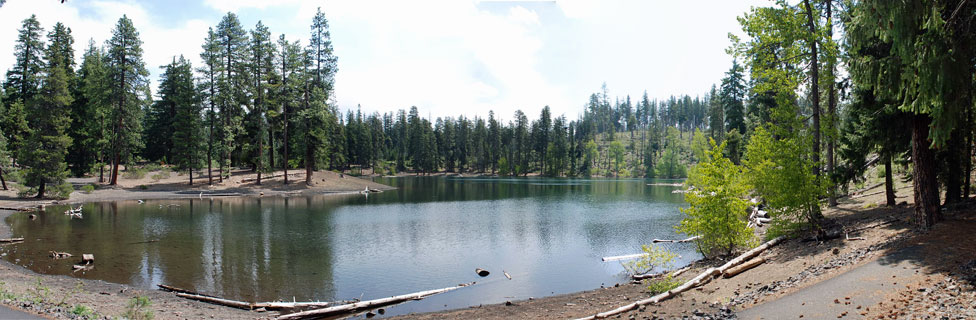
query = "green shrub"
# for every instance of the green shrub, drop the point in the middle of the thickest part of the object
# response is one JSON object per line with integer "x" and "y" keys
{"x": 717, "y": 208}
{"x": 143, "y": 187}
{"x": 83, "y": 312}
{"x": 61, "y": 191}
{"x": 654, "y": 257}
{"x": 782, "y": 174}
{"x": 88, "y": 188}
{"x": 662, "y": 284}
{"x": 137, "y": 309}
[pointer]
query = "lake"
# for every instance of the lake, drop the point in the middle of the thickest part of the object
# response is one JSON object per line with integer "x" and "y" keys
{"x": 432, "y": 232}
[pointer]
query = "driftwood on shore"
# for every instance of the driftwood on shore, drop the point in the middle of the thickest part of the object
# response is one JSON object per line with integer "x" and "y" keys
{"x": 701, "y": 279}
{"x": 274, "y": 305}
{"x": 731, "y": 272}
{"x": 353, "y": 308}
{"x": 17, "y": 209}
{"x": 656, "y": 275}
{"x": 7, "y": 240}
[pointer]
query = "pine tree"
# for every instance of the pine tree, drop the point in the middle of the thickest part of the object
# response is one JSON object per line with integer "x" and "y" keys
{"x": 50, "y": 116}
{"x": 322, "y": 65}
{"x": 90, "y": 111}
{"x": 232, "y": 41}
{"x": 262, "y": 73}
{"x": 23, "y": 81}
{"x": 208, "y": 88}
{"x": 127, "y": 75}
{"x": 187, "y": 124}
{"x": 289, "y": 61}
{"x": 732, "y": 95}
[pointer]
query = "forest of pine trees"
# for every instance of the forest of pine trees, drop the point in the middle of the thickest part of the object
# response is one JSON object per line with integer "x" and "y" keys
{"x": 895, "y": 88}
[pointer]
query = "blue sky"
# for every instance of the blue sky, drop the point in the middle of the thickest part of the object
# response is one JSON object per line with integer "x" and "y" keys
{"x": 447, "y": 57}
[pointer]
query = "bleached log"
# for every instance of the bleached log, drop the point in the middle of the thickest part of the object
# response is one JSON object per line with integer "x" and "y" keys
{"x": 369, "y": 304}
{"x": 299, "y": 305}
{"x": 215, "y": 300}
{"x": 11, "y": 240}
{"x": 701, "y": 279}
{"x": 677, "y": 241}
{"x": 680, "y": 271}
{"x": 507, "y": 275}
{"x": 624, "y": 257}
{"x": 731, "y": 272}
{"x": 660, "y": 274}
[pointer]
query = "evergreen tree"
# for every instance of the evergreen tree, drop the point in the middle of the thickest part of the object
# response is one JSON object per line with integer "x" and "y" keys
{"x": 262, "y": 73}
{"x": 716, "y": 116}
{"x": 177, "y": 90}
{"x": 231, "y": 95}
{"x": 208, "y": 87}
{"x": 50, "y": 116}
{"x": 23, "y": 81}
{"x": 127, "y": 75}
{"x": 90, "y": 111}
{"x": 732, "y": 95}
{"x": 289, "y": 61}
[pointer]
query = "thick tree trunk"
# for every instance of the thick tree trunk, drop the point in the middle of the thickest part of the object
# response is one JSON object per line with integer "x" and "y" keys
{"x": 954, "y": 179}
{"x": 889, "y": 183}
{"x": 925, "y": 181}
{"x": 40, "y": 190}
{"x": 2, "y": 180}
{"x": 968, "y": 152}
{"x": 814, "y": 88}
{"x": 831, "y": 112}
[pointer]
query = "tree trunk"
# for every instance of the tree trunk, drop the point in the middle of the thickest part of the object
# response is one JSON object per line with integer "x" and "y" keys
{"x": 969, "y": 153}
{"x": 284, "y": 155}
{"x": 814, "y": 88}
{"x": 831, "y": 112}
{"x": 954, "y": 179}
{"x": 40, "y": 190}
{"x": 889, "y": 183}
{"x": 925, "y": 181}
{"x": 2, "y": 180}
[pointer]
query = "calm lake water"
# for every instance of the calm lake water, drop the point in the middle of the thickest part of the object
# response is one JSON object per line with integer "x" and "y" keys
{"x": 431, "y": 232}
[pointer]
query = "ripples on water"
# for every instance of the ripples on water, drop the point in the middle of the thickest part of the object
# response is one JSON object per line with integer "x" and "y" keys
{"x": 431, "y": 232}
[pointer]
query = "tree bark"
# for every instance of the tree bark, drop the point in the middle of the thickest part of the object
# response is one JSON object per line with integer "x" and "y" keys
{"x": 831, "y": 112}
{"x": 924, "y": 181}
{"x": 814, "y": 87}
{"x": 954, "y": 179}
{"x": 889, "y": 183}
{"x": 969, "y": 153}
{"x": 2, "y": 180}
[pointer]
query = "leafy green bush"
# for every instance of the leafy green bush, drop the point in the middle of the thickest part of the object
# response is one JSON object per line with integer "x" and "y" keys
{"x": 717, "y": 210}
{"x": 782, "y": 174}
{"x": 654, "y": 257}
{"x": 137, "y": 309}
{"x": 669, "y": 166}
{"x": 663, "y": 284}
{"x": 143, "y": 187}
{"x": 61, "y": 191}
{"x": 88, "y": 188}
{"x": 162, "y": 174}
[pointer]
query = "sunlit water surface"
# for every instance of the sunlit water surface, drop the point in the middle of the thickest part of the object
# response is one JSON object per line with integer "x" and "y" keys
{"x": 432, "y": 232}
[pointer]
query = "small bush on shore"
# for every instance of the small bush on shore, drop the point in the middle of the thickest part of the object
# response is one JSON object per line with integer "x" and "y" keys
{"x": 654, "y": 257}
{"x": 83, "y": 312}
{"x": 663, "y": 284}
{"x": 717, "y": 210}
{"x": 62, "y": 191}
{"x": 135, "y": 173}
{"x": 88, "y": 188}
{"x": 138, "y": 309}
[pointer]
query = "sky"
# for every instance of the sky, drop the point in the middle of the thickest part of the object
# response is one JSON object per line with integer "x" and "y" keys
{"x": 447, "y": 57}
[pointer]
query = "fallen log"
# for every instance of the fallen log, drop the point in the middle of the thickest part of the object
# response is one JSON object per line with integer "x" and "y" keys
{"x": 624, "y": 257}
{"x": 655, "y": 275}
{"x": 276, "y": 305}
{"x": 507, "y": 275}
{"x": 179, "y": 290}
{"x": 60, "y": 255}
{"x": 215, "y": 300}
{"x": 677, "y": 241}
{"x": 702, "y": 278}
{"x": 369, "y": 304}
{"x": 731, "y": 272}
{"x": 11, "y": 240}
{"x": 17, "y": 209}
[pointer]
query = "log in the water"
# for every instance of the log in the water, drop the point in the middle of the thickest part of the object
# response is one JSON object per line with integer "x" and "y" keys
{"x": 11, "y": 240}
{"x": 677, "y": 241}
{"x": 702, "y": 278}
{"x": 731, "y": 272}
{"x": 364, "y": 305}
{"x": 215, "y": 300}
{"x": 624, "y": 257}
